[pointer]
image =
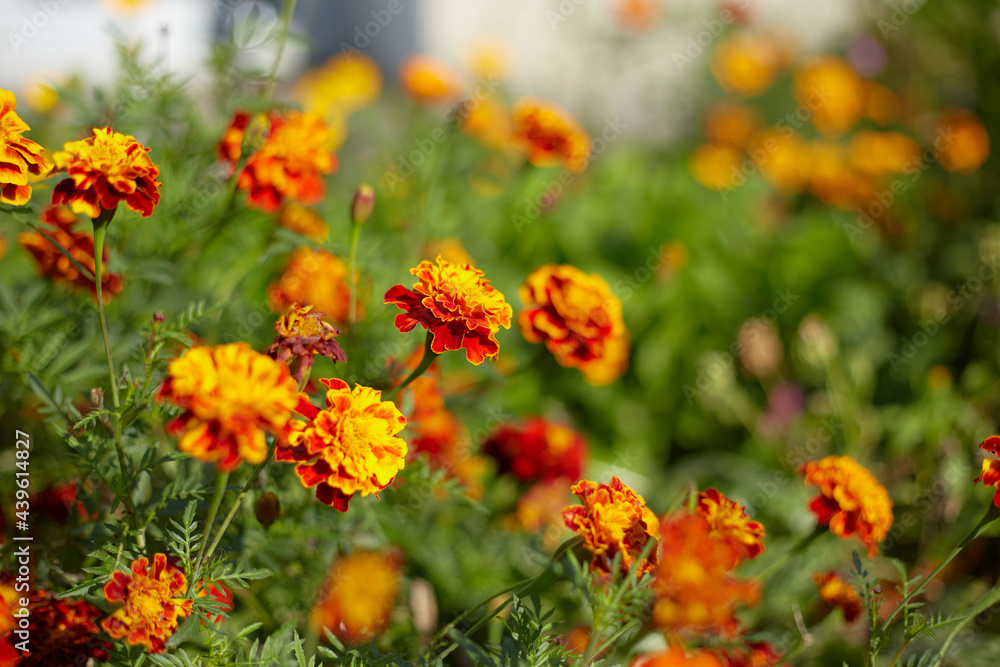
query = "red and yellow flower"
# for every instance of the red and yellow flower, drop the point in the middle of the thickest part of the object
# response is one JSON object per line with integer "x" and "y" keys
{"x": 851, "y": 500}
{"x": 990, "y": 475}
{"x": 358, "y": 596}
{"x": 579, "y": 318}
{"x": 302, "y": 334}
{"x": 53, "y": 263}
{"x": 550, "y": 135}
{"x": 693, "y": 589}
{"x": 729, "y": 523}
{"x": 317, "y": 278}
{"x": 836, "y": 592}
{"x": 350, "y": 446}
{"x": 220, "y": 594}
{"x": 537, "y": 450}
{"x": 429, "y": 80}
{"x": 613, "y": 519}
{"x": 105, "y": 170}
{"x": 457, "y": 306}
{"x": 152, "y": 602}
{"x": 231, "y": 396}
{"x": 290, "y": 163}
{"x": 19, "y": 157}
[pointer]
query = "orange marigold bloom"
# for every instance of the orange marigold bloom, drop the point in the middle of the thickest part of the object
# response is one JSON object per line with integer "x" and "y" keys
{"x": 302, "y": 334}
{"x": 851, "y": 500}
{"x": 579, "y": 318}
{"x": 781, "y": 154}
{"x": 746, "y": 64}
{"x": 731, "y": 124}
{"x": 833, "y": 92}
{"x": 317, "y": 278}
{"x": 429, "y": 80}
{"x": 358, "y": 596}
{"x": 350, "y": 446}
{"x": 290, "y": 163}
{"x": 883, "y": 153}
{"x": 838, "y": 593}
{"x": 304, "y": 221}
{"x": 458, "y": 307}
{"x": 153, "y": 601}
{"x": 717, "y": 166}
{"x": 19, "y": 157}
{"x": 53, "y": 264}
{"x": 550, "y": 135}
{"x": 537, "y": 450}
{"x": 677, "y": 657}
{"x": 613, "y": 520}
{"x": 729, "y": 523}
{"x": 990, "y": 475}
{"x": 231, "y": 395}
{"x": 105, "y": 170}
{"x": 693, "y": 589}
{"x": 966, "y": 144}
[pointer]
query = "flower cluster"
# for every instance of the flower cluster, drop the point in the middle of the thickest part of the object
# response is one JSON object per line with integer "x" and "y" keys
{"x": 537, "y": 450}
{"x": 20, "y": 158}
{"x": 152, "y": 601}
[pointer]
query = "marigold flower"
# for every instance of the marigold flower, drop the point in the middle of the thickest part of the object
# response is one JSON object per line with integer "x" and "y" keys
{"x": 457, "y": 306}
{"x": 231, "y": 395}
{"x": 692, "y": 587}
{"x": 612, "y": 520}
{"x": 990, "y": 475}
{"x": 302, "y": 220}
{"x": 53, "y": 264}
{"x": 302, "y": 333}
{"x": 429, "y": 80}
{"x": 966, "y": 144}
{"x": 729, "y": 523}
{"x": 731, "y": 124}
{"x": 851, "y": 500}
{"x": 883, "y": 153}
{"x": 717, "y": 166}
{"x": 836, "y": 592}
{"x": 153, "y": 601}
{"x": 832, "y": 91}
{"x": 638, "y": 14}
{"x": 780, "y": 155}
{"x": 833, "y": 179}
{"x": 317, "y": 278}
{"x": 350, "y": 446}
{"x": 19, "y": 156}
{"x": 537, "y": 450}
{"x": 346, "y": 83}
{"x": 358, "y": 596}
{"x": 550, "y": 135}
{"x": 288, "y": 165}
{"x": 105, "y": 170}
{"x": 220, "y": 594}
{"x": 579, "y": 318}
{"x": 677, "y": 657}
{"x": 881, "y": 104}
{"x": 746, "y": 64}
{"x": 490, "y": 59}
{"x": 490, "y": 122}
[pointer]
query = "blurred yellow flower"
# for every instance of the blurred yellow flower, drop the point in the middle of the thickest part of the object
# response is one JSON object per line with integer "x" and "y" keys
{"x": 883, "y": 153}
{"x": 490, "y": 122}
{"x": 304, "y": 221}
{"x": 358, "y": 596}
{"x": 831, "y": 177}
{"x": 451, "y": 249}
{"x": 965, "y": 144}
{"x": 314, "y": 277}
{"x": 833, "y": 93}
{"x": 717, "y": 166}
{"x": 346, "y": 83}
{"x": 490, "y": 60}
{"x": 429, "y": 80}
{"x": 731, "y": 124}
{"x": 746, "y": 64}
{"x": 779, "y": 155}
{"x": 41, "y": 96}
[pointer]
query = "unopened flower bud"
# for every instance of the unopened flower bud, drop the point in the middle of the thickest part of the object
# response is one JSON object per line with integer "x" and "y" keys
{"x": 268, "y": 509}
{"x": 363, "y": 204}
{"x": 158, "y": 316}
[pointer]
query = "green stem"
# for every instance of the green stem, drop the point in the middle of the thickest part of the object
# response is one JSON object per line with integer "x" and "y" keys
{"x": 221, "y": 479}
{"x": 100, "y": 228}
{"x": 352, "y": 271}
{"x": 425, "y": 363}
{"x": 797, "y": 548}
{"x": 235, "y": 508}
{"x": 287, "y": 9}
{"x": 991, "y": 515}
{"x": 991, "y": 597}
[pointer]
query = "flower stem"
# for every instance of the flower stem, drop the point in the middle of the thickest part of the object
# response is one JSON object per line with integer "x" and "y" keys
{"x": 287, "y": 9}
{"x": 991, "y": 597}
{"x": 425, "y": 363}
{"x": 352, "y": 271}
{"x": 221, "y": 480}
{"x": 100, "y": 228}
{"x": 235, "y": 508}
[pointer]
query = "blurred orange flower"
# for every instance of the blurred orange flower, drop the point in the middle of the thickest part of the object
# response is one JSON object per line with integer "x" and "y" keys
{"x": 746, "y": 64}
{"x": 457, "y": 306}
{"x": 836, "y": 592}
{"x": 358, "y": 596}
{"x": 612, "y": 520}
{"x": 537, "y": 450}
{"x": 883, "y": 153}
{"x": 990, "y": 475}
{"x": 729, "y": 523}
{"x": 717, "y": 166}
{"x": 540, "y": 508}
{"x": 104, "y": 170}
{"x": 231, "y": 396}
{"x": 346, "y": 83}
{"x": 677, "y": 657}
{"x": 579, "y": 318}
{"x": 350, "y": 446}
{"x": 851, "y": 500}
{"x": 692, "y": 588}
{"x": 833, "y": 179}
{"x": 966, "y": 144}
{"x": 781, "y": 156}
{"x": 153, "y": 601}
{"x": 19, "y": 157}
{"x": 489, "y": 122}
{"x": 317, "y": 278}
{"x": 881, "y": 105}
{"x": 638, "y": 14}
{"x": 550, "y": 135}
{"x": 832, "y": 91}
{"x": 450, "y": 249}
{"x": 731, "y": 124}
{"x": 304, "y": 221}
{"x": 53, "y": 264}
{"x": 429, "y": 80}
